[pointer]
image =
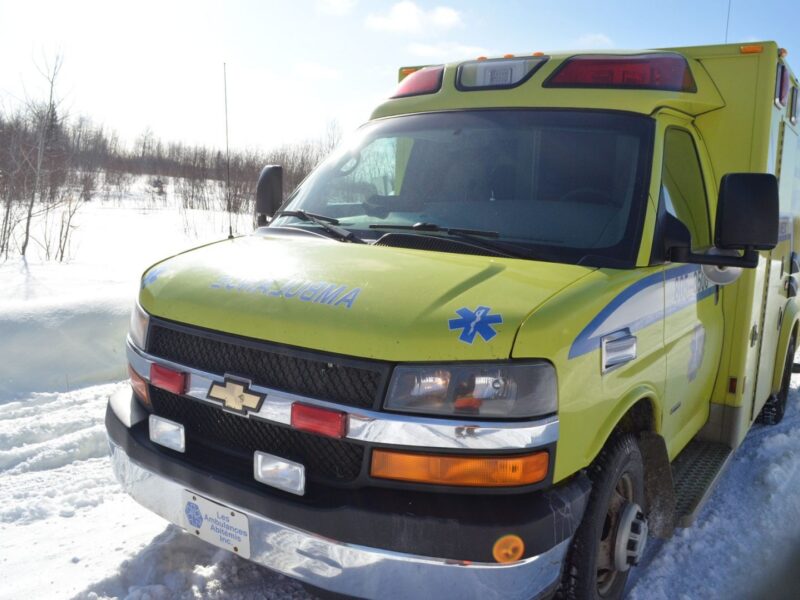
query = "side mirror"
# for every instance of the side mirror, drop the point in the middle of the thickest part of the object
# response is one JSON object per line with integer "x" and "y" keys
{"x": 747, "y": 219}
{"x": 269, "y": 193}
{"x": 747, "y": 212}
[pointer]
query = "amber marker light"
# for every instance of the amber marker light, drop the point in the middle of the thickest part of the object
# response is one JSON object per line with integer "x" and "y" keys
{"x": 751, "y": 49}
{"x": 139, "y": 386}
{"x": 508, "y": 548}
{"x": 406, "y": 71}
{"x": 473, "y": 471}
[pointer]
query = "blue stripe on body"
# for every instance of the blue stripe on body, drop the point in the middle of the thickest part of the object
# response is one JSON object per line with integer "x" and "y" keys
{"x": 587, "y": 342}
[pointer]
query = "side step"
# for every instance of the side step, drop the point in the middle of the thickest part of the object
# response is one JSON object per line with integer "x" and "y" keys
{"x": 695, "y": 472}
{"x": 795, "y": 367}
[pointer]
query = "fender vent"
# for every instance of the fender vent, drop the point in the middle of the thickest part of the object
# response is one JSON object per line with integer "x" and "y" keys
{"x": 433, "y": 244}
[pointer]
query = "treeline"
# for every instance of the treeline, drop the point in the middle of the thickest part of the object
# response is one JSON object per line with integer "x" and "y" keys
{"x": 50, "y": 164}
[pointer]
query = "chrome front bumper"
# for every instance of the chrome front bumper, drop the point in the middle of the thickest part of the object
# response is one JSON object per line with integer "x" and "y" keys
{"x": 349, "y": 569}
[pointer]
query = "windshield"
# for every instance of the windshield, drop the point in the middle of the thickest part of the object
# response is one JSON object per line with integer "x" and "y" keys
{"x": 563, "y": 185}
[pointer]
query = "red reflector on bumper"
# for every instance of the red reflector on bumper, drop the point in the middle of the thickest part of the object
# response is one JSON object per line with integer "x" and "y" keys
{"x": 323, "y": 421}
{"x": 167, "y": 379}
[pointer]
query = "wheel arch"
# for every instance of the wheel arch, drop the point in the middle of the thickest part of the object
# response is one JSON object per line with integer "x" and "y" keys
{"x": 790, "y": 323}
{"x": 639, "y": 410}
{"x": 640, "y": 415}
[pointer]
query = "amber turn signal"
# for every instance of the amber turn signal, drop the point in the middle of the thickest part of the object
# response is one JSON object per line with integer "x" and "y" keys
{"x": 508, "y": 548}
{"x": 139, "y": 386}
{"x": 475, "y": 471}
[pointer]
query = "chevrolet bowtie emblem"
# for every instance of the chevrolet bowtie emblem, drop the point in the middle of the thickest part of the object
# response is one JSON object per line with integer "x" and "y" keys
{"x": 236, "y": 396}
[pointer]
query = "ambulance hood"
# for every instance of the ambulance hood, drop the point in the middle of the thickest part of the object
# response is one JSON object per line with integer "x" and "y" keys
{"x": 352, "y": 299}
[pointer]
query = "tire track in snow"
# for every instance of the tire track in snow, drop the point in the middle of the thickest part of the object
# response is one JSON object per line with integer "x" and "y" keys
{"x": 62, "y": 510}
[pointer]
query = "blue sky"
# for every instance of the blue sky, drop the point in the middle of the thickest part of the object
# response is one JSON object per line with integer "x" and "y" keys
{"x": 293, "y": 66}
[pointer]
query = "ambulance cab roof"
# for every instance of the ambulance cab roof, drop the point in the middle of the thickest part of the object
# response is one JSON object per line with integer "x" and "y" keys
{"x": 640, "y": 81}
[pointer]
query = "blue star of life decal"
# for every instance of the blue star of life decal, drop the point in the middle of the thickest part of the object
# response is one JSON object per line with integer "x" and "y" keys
{"x": 475, "y": 322}
{"x": 193, "y": 515}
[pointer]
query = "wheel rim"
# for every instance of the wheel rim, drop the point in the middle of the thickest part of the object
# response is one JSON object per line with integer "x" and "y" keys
{"x": 606, "y": 573}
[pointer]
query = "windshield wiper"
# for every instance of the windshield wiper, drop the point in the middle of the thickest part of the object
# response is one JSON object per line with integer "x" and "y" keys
{"x": 476, "y": 236}
{"x": 329, "y": 224}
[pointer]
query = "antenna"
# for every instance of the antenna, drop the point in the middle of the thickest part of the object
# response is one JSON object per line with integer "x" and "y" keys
{"x": 728, "y": 21}
{"x": 227, "y": 155}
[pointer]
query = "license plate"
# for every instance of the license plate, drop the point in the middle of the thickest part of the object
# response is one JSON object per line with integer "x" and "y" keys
{"x": 216, "y": 524}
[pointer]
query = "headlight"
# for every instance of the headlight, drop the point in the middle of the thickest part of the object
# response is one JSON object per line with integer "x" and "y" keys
{"x": 476, "y": 390}
{"x": 138, "y": 329}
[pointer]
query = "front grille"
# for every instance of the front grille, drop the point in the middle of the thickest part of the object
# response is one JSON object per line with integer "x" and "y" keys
{"x": 225, "y": 443}
{"x": 299, "y": 372}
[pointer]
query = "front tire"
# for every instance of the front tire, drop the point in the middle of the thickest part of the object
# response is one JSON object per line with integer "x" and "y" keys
{"x": 592, "y": 568}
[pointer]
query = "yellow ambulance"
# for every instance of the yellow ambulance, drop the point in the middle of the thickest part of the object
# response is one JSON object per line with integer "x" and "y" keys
{"x": 514, "y": 326}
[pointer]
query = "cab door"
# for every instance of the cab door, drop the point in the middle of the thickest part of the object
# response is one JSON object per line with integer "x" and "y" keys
{"x": 776, "y": 266}
{"x": 693, "y": 325}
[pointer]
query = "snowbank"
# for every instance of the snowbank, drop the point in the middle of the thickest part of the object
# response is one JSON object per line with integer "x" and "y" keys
{"x": 63, "y": 326}
{"x": 51, "y": 345}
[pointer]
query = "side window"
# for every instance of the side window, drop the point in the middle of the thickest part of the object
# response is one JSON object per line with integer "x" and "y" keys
{"x": 682, "y": 189}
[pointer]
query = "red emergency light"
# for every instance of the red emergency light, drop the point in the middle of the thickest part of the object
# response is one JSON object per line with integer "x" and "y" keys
{"x": 663, "y": 71}
{"x": 427, "y": 80}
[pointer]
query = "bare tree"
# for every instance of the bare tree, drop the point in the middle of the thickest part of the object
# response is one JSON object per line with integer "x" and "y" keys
{"x": 46, "y": 122}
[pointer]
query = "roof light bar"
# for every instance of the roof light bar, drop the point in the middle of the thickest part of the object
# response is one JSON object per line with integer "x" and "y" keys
{"x": 427, "y": 80}
{"x": 497, "y": 73}
{"x": 662, "y": 71}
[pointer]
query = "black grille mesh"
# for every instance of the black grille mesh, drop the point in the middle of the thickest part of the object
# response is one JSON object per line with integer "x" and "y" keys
{"x": 324, "y": 379}
{"x": 227, "y": 441}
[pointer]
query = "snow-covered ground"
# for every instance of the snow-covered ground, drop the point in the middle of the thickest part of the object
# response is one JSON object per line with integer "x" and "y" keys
{"x": 746, "y": 540}
{"x": 67, "y": 530}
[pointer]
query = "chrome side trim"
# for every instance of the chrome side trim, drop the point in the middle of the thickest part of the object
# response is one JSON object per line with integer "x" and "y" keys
{"x": 440, "y": 433}
{"x": 372, "y": 426}
{"x": 347, "y": 568}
